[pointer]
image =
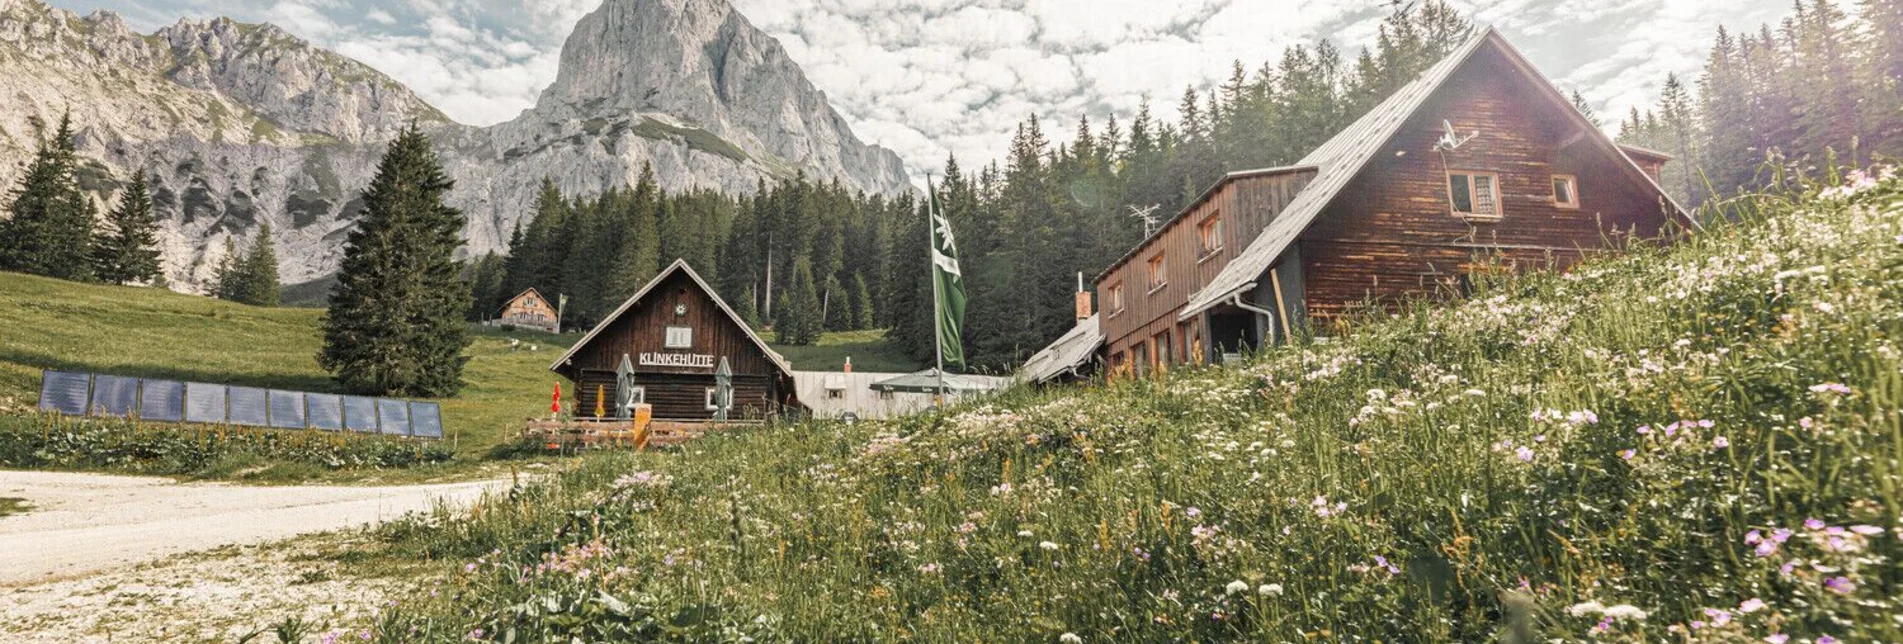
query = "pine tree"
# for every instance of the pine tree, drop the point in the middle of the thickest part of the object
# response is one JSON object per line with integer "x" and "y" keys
{"x": 1585, "y": 108}
{"x": 50, "y": 231}
{"x": 639, "y": 258}
{"x": 258, "y": 272}
{"x": 226, "y": 280}
{"x": 128, "y": 251}
{"x": 395, "y": 324}
{"x": 800, "y": 320}
{"x": 862, "y": 307}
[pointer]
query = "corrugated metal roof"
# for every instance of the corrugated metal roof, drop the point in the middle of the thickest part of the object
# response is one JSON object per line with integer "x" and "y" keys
{"x": 678, "y": 265}
{"x": 1342, "y": 158}
{"x": 1067, "y": 353}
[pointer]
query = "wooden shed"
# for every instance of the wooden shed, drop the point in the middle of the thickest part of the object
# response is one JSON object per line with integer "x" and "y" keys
{"x": 1478, "y": 165}
{"x": 675, "y": 331}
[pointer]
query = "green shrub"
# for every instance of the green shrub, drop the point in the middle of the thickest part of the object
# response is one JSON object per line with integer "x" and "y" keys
{"x": 53, "y": 442}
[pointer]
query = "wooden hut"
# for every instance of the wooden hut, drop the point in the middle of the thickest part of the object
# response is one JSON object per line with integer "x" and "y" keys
{"x": 1478, "y": 165}
{"x": 675, "y": 331}
{"x": 530, "y": 310}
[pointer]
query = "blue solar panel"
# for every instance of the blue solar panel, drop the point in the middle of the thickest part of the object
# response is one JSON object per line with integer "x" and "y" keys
{"x": 65, "y": 392}
{"x": 115, "y": 396}
{"x": 287, "y": 410}
{"x": 325, "y": 412}
{"x": 426, "y": 420}
{"x": 204, "y": 403}
{"x": 250, "y": 407}
{"x": 360, "y": 414}
{"x": 162, "y": 401}
{"x": 395, "y": 415}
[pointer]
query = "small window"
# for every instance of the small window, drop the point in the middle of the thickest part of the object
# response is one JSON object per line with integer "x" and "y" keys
{"x": 1565, "y": 191}
{"x": 710, "y": 400}
{"x": 1159, "y": 273}
{"x": 1163, "y": 346}
{"x": 640, "y": 395}
{"x": 680, "y": 337}
{"x": 1209, "y": 234}
{"x": 1474, "y": 195}
{"x": 885, "y": 395}
{"x": 835, "y": 394}
{"x": 1116, "y": 298}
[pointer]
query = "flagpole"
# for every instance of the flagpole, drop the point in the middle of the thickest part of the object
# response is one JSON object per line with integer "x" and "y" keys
{"x": 931, "y": 264}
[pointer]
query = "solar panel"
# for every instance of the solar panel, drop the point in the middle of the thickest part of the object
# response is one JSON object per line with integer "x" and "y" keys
{"x": 115, "y": 396}
{"x": 250, "y": 406}
{"x": 426, "y": 420}
{"x": 204, "y": 403}
{"x": 162, "y": 401}
{"x": 287, "y": 409}
{"x": 360, "y": 414}
{"x": 64, "y": 392}
{"x": 395, "y": 416}
{"x": 326, "y": 412}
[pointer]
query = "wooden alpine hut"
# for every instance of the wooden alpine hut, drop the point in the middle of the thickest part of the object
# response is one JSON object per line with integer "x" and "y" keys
{"x": 676, "y": 331}
{"x": 529, "y": 310}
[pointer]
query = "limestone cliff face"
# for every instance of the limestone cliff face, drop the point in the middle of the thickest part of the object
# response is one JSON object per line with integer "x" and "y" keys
{"x": 244, "y": 124}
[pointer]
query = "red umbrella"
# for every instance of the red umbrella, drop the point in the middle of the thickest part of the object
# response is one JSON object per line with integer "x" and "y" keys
{"x": 556, "y": 406}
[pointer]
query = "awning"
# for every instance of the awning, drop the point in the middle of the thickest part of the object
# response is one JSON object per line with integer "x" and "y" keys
{"x": 925, "y": 382}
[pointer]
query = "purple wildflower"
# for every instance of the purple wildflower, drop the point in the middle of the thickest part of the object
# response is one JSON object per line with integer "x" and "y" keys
{"x": 1525, "y": 455}
{"x": 1840, "y": 585}
{"x": 1720, "y": 443}
{"x": 1814, "y": 524}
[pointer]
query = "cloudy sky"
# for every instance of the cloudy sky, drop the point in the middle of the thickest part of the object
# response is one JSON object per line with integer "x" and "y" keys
{"x": 933, "y": 77}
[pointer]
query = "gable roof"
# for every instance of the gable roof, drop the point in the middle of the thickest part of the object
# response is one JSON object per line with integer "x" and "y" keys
{"x": 1342, "y": 159}
{"x": 518, "y": 297}
{"x": 1193, "y": 205}
{"x": 1066, "y": 354}
{"x": 679, "y": 265}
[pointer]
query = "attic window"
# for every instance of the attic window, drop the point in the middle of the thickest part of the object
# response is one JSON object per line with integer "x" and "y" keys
{"x": 1474, "y": 195}
{"x": 1565, "y": 191}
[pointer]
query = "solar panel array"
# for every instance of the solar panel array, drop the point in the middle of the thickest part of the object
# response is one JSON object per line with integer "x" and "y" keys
{"x": 83, "y": 394}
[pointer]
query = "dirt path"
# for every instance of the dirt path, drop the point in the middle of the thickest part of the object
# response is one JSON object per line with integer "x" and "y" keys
{"x": 84, "y": 524}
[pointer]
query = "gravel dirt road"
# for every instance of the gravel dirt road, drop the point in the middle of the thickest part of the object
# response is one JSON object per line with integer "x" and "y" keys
{"x": 84, "y": 524}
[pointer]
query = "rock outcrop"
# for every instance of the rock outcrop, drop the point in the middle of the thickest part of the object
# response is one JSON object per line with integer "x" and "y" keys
{"x": 242, "y": 124}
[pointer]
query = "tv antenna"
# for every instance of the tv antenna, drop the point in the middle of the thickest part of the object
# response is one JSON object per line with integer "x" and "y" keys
{"x": 1148, "y": 215}
{"x": 1451, "y": 140}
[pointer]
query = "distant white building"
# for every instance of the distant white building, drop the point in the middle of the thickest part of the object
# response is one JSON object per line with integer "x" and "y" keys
{"x": 833, "y": 394}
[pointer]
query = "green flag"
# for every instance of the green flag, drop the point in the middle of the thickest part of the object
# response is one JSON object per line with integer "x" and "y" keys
{"x": 948, "y": 286}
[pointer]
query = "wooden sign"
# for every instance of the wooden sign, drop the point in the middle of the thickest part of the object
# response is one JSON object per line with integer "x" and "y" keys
{"x": 678, "y": 360}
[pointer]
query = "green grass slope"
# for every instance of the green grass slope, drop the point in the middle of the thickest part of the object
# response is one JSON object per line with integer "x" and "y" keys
{"x": 1699, "y": 444}
{"x": 52, "y": 324}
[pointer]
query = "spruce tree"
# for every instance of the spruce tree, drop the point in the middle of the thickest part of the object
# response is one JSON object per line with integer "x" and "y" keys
{"x": 800, "y": 320}
{"x": 395, "y": 324}
{"x": 226, "y": 279}
{"x": 127, "y": 251}
{"x": 258, "y": 272}
{"x": 50, "y": 231}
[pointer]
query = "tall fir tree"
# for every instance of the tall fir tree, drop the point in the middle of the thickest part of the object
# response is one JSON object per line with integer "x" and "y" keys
{"x": 800, "y": 321}
{"x": 226, "y": 279}
{"x": 395, "y": 324}
{"x": 127, "y": 250}
{"x": 50, "y": 230}
{"x": 258, "y": 272}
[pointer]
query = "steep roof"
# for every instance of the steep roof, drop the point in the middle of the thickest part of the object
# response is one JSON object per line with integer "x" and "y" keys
{"x": 1342, "y": 158}
{"x": 518, "y": 297}
{"x": 1066, "y": 354}
{"x": 679, "y": 266}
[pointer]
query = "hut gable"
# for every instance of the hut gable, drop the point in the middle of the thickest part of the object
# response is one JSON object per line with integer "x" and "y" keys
{"x": 675, "y": 331}
{"x": 530, "y": 310}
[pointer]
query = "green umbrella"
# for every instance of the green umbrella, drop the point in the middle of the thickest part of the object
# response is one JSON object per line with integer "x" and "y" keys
{"x": 929, "y": 381}
{"x": 723, "y": 389}
{"x": 624, "y": 389}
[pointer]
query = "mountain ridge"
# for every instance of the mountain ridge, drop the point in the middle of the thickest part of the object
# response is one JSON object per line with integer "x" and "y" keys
{"x": 242, "y": 124}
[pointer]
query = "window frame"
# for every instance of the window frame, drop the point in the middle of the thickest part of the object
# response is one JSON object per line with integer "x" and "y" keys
{"x": 640, "y": 394}
{"x": 1159, "y": 271}
{"x": 1116, "y": 299}
{"x": 1572, "y": 190}
{"x": 1209, "y": 241}
{"x": 1453, "y": 206}
{"x": 687, "y": 335}
{"x": 710, "y": 399}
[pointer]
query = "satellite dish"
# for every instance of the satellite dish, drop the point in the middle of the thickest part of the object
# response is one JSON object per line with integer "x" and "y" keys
{"x": 1451, "y": 140}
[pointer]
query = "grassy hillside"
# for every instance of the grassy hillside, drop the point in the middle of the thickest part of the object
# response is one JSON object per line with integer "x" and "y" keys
{"x": 869, "y": 351}
{"x": 159, "y": 334}
{"x": 1699, "y": 444}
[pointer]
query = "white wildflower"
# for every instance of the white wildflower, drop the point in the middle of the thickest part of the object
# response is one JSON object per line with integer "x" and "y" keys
{"x": 1236, "y": 587}
{"x": 1047, "y": 545}
{"x": 1070, "y": 638}
{"x": 1626, "y": 612}
{"x": 1584, "y": 609}
{"x": 1269, "y": 590}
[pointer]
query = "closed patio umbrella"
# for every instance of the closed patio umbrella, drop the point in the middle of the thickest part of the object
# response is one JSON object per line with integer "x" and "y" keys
{"x": 624, "y": 389}
{"x": 723, "y": 389}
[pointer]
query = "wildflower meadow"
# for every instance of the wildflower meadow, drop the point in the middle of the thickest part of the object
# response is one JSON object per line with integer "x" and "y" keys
{"x": 1693, "y": 443}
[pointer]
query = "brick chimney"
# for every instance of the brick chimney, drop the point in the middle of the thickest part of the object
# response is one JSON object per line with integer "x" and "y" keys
{"x": 1083, "y": 300}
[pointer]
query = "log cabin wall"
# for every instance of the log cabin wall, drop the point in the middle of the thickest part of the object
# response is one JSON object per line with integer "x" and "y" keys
{"x": 678, "y": 393}
{"x": 1392, "y": 233}
{"x": 1245, "y": 206}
